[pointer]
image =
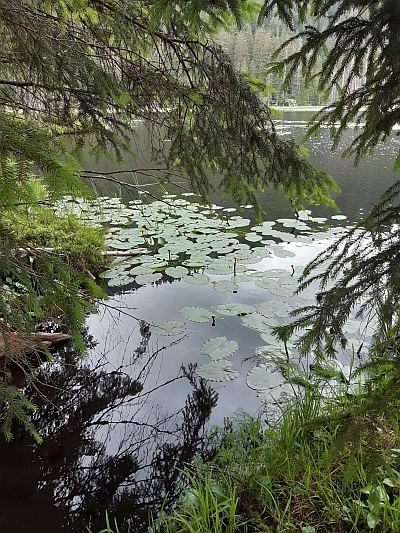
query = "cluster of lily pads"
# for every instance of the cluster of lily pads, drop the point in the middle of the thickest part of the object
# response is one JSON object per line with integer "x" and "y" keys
{"x": 179, "y": 239}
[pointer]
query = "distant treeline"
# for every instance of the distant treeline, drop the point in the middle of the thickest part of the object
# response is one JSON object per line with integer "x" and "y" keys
{"x": 251, "y": 49}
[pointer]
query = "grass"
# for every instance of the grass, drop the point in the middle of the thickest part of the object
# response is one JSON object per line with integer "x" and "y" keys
{"x": 297, "y": 476}
{"x": 109, "y": 527}
{"x": 207, "y": 507}
{"x": 80, "y": 244}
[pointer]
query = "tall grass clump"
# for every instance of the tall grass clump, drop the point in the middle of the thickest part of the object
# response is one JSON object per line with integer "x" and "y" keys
{"x": 296, "y": 475}
{"x": 207, "y": 506}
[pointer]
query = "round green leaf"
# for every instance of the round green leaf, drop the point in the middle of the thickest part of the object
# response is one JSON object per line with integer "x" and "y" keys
{"x": 119, "y": 281}
{"x": 273, "y": 287}
{"x": 196, "y": 279}
{"x": 225, "y": 286}
{"x": 274, "y": 307}
{"x": 253, "y": 237}
{"x": 234, "y": 309}
{"x": 218, "y": 370}
{"x": 261, "y": 377}
{"x": 276, "y": 273}
{"x": 219, "y": 347}
{"x": 283, "y": 253}
{"x": 280, "y": 393}
{"x": 196, "y": 314}
{"x": 176, "y": 272}
{"x": 170, "y": 327}
{"x": 142, "y": 279}
{"x": 258, "y": 321}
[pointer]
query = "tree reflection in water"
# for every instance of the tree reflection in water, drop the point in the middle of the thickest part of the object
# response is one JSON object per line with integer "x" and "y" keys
{"x": 105, "y": 446}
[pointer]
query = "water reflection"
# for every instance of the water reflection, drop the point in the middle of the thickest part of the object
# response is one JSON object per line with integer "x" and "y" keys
{"x": 107, "y": 442}
{"x": 106, "y": 446}
{"x": 361, "y": 186}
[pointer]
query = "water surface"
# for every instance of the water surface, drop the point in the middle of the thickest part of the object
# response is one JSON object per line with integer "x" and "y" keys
{"x": 117, "y": 424}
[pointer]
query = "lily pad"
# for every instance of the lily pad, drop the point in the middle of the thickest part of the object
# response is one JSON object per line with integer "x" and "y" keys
{"x": 258, "y": 321}
{"x": 196, "y": 279}
{"x": 176, "y": 272}
{"x": 269, "y": 338}
{"x": 307, "y": 294}
{"x": 142, "y": 279}
{"x": 119, "y": 281}
{"x": 170, "y": 327}
{"x": 261, "y": 377}
{"x": 222, "y": 268}
{"x": 277, "y": 394}
{"x": 276, "y": 273}
{"x": 238, "y": 222}
{"x": 234, "y": 309}
{"x": 274, "y": 307}
{"x": 218, "y": 370}
{"x": 283, "y": 253}
{"x": 241, "y": 278}
{"x": 225, "y": 286}
{"x": 219, "y": 347}
{"x": 140, "y": 269}
{"x": 273, "y": 287}
{"x": 253, "y": 237}
{"x": 196, "y": 314}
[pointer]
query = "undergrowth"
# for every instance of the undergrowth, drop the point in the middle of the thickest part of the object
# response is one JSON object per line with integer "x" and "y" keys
{"x": 295, "y": 476}
{"x": 79, "y": 244}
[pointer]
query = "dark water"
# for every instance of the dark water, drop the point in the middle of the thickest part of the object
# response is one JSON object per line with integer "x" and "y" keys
{"x": 118, "y": 424}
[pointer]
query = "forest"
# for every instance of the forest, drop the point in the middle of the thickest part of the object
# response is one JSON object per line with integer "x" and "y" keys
{"x": 197, "y": 84}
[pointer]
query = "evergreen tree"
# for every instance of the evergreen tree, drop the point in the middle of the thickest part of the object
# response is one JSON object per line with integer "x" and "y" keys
{"x": 360, "y": 41}
{"x": 87, "y": 69}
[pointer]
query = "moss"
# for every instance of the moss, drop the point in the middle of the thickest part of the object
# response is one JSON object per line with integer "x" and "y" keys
{"x": 80, "y": 243}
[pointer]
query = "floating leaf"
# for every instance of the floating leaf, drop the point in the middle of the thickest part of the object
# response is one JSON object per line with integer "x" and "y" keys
{"x": 219, "y": 347}
{"x": 119, "y": 281}
{"x": 258, "y": 321}
{"x": 225, "y": 286}
{"x": 265, "y": 309}
{"x": 238, "y": 222}
{"x": 274, "y": 307}
{"x": 196, "y": 314}
{"x": 176, "y": 272}
{"x": 219, "y": 370}
{"x": 234, "y": 309}
{"x": 197, "y": 261}
{"x": 253, "y": 237}
{"x": 276, "y": 273}
{"x": 142, "y": 279}
{"x": 293, "y": 223}
{"x": 280, "y": 393}
{"x": 269, "y": 338}
{"x": 268, "y": 352}
{"x": 308, "y": 293}
{"x": 196, "y": 279}
{"x": 273, "y": 287}
{"x": 283, "y": 253}
{"x": 222, "y": 268}
{"x": 261, "y": 377}
{"x": 140, "y": 269}
{"x": 170, "y": 327}
{"x": 241, "y": 278}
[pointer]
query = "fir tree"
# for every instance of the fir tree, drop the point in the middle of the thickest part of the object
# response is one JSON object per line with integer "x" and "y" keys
{"x": 361, "y": 270}
{"x": 87, "y": 69}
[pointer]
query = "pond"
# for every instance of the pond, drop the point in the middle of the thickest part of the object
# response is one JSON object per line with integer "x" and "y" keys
{"x": 197, "y": 304}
